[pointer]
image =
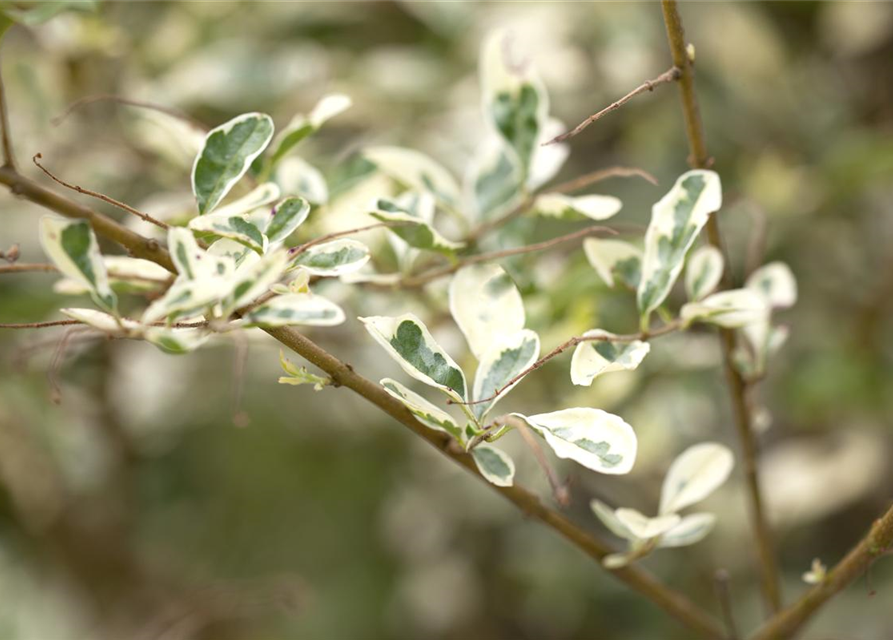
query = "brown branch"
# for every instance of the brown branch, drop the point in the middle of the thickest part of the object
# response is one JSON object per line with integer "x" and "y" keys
{"x": 88, "y": 100}
{"x": 724, "y": 595}
{"x": 573, "y": 342}
{"x": 63, "y": 323}
{"x": 672, "y": 602}
{"x": 602, "y": 174}
{"x": 699, "y": 158}
{"x": 100, "y": 196}
{"x": 878, "y": 542}
{"x": 22, "y": 267}
{"x": 5, "y": 135}
{"x": 670, "y": 75}
{"x": 434, "y": 274}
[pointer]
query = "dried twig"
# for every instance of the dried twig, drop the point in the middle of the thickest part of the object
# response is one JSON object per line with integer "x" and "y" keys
{"x": 22, "y": 267}
{"x": 130, "y": 102}
{"x": 670, "y": 75}
{"x": 100, "y": 196}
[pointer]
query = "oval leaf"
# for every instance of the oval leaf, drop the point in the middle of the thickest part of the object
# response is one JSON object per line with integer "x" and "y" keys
{"x": 507, "y": 358}
{"x": 595, "y": 357}
{"x": 703, "y": 272}
{"x": 676, "y": 220}
{"x": 495, "y": 465}
{"x": 408, "y": 341}
{"x": 104, "y": 321}
{"x": 775, "y": 283}
{"x": 302, "y": 126}
{"x": 494, "y": 180}
{"x": 427, "y": 413}
{"x": 596, "y": 439}
{"x": 72, "y": 247}
{"x": 735, "y": 308}
{"x": 412, "y": 230}
{"x": 262, "y": 195}
{"x": 416, "y": 171}
{"x": 296, "y": 309}
{"x": 177, "y": 341}
{"x": 615, "y": 261}
{"x": 558, "y": 205}
{"x": 486, "y": 304}
{"x": 333, "y": 258}
{"x": 236, "y": 228}
{"x": 287, "y": 216}
{"x": 226, "y": 155}
{"x": 299, "y": 178}
{"x": 643, "y": 527}
{"x": 691, "y": 529}
{"x": 251, "y": 280}
{"x": 606, "y": 514}
{"x": 694, "y": 475}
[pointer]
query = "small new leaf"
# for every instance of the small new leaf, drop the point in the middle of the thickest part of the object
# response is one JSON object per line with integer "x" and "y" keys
{"x": 299, "y": 375}
{"x": 694, "y": 475}
{"x": 495, "y": 465}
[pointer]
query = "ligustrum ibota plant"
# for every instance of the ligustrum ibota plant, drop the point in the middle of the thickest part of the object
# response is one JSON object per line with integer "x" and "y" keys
{"x": 241, "y": 258}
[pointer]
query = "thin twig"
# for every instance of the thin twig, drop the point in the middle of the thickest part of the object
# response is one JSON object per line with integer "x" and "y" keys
{"x": 724, "y": 595}
{"x": 602, "y": 174}
{"x": 674, "y": 603}
{"x": 82, "y": 102}
{"x": 55, "y": 365}
{"x": 434, "y": 274}
{"x": 876, "y": 544}
{"x": 301, "y": 248}
{"x": 62, "y": 323}
{"x": 100, "y": 196}
{"x": 738, "y": 386}
{"x": 8, "y": 153}
{"x": 670, "y": 75}
{"x": 22, "y": 267}
{"x": 559, "y": 489}
{"x": 670, "y": 327}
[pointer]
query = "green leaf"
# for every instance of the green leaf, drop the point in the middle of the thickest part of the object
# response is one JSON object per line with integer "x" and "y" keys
{"x": 192, "y": 262}
{"x": 595, "y": 357}
{"x": 703, "y": 272}
{"x": 486, "y": 304}
{"x": 253, "y": 279}
{"x": 416, "y": 171}
{"x": 177, "y": 341}
{"x": 299, "y": 178}
{"x": 495, "y": 465}
{"x": 287, "y": 216}
{"x": 187, "y": 297}
{"x": 593, "y": 207}
{"x": 333, "y": 258}
{"x": 615, "y": 261}
{"x": 302, "y": 126}
{"x": 298, "y": 376}
{"x": 233, "y": 227}
{"x": 495, "y": 180}
{"x": 72, "y": 247}
{"x": 694, "y": 475}
{"x": 676, "y": 220}
{"x": 415, "y": 232}
{"x": 296, "y": 309}
{"x": 514, "y": 98}
{"x": 507, "y": 357}
{"x": 228, "y": 152}
{"x": 34, "y": 12}
{"x": 596, "y": 439}
{"x": 408, "y": 341}
{"x": 427, "y": 413}
{"x": 732, "y": 309}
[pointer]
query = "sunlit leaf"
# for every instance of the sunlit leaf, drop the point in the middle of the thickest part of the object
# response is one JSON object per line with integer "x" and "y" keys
{"x": 507, "y": 357}
{"x": 594, "y": 438}
{"x": 494, "y": 180}
{"x": 416, "y": 171}
{"x": 703, "y": 272}
{"x": 486, "y": 304}
{"x": 495, "y": 465}
{"x": 104, "y": 321}
{"x": 609, "y": 518}
{"x": 187, "y": 297}
{"x": 228, "y": 152}
{"x": 558, "y": 205}
{"x": 676, "y": 220}
{"x": 72, "y": 246}
{"x": 691, "y": 529}
{"x": 615, "y": 261}
{"x": 427, "y": 413}
{"x": 408, "y": 341}
{"x": 287, "y": 216}
{"x": 296, "y": 309}
{"x": 775, "y": 283}
{"x": 735, "y": 308}
{"x": 643, "y": 527}
{"x": 694, "y": 475}
{"x": 595, "y": 357}
{"x": 414, "y": 231}
{"x": 333, "y": 258}
{"x": 251, "y": 280}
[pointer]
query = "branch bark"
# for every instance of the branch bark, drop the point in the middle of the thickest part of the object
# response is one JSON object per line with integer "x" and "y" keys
{"x": 675, "y": 604}
{"x": 738, "y": 387}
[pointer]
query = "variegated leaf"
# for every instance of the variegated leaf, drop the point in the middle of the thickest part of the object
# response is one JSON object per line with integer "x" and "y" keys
{"x": 694, "y": 475}
{"x": 236, "y": 228}
{"x": 643, "y": 527}
{"x": 609, "y": 518}
{"x": 427, "y": 413}
{"x": 775, "y": 283}
{"x": 261, "y": 195}
{"x": 408, "y": 341}
{"x": 72, "y": 246}
{"x": 615, "y": 261}
{"x": 486, "y": 304}
{"x": 297, "y": 177}
{"x": 416, "y": 171}
{"x": 414, "y": 231}
{"x": 691, "y": 529}
{"x": 333, "y": 258}
{"x": 595, "y": 357}
{"x": 676, "y": 220}
{"x": 507, "y": 357}
{"x": 187, "y": 297}
{"x": 735, "y": 308}
{"x": 105, "y": 322}
{"x": 287, "y": 216}
{"x": 177, "y": 341}
{"x": 228, "y": 152}
{"x": 594, "y": 438}
{"x": 302, "y": 126}
{"x": 547, "y": 159}
{"x": 493, "y": 183}
{"x": 495, "y": 465}
{"x": 558, "y": 205}
{"x": 251, "y": 280}
{"x": 296, "y": 309}
{"x": 299, "y": 375}
{"x": 192, "y": 262}
{"x": 703, "y": 272}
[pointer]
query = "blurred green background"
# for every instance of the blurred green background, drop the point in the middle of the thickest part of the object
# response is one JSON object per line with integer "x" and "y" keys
{"x": 137, "y": 509}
